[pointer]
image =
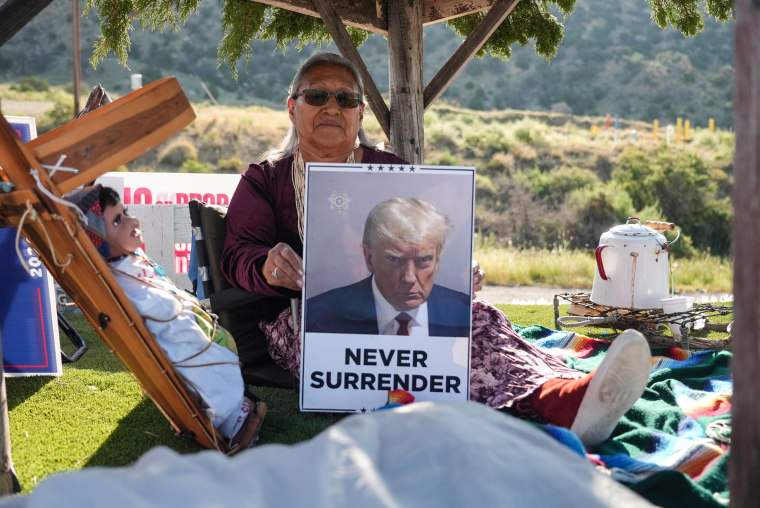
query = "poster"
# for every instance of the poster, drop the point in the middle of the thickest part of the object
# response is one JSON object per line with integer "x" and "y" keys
{"x": 387, "y": 288}
{"x": 28, "y": 319}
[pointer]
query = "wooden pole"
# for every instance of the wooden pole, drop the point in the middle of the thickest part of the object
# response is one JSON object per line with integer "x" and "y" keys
{"x": 466, "y": 51}
{"x": 405, "y": 75}
{"x": 745, "y": 442}
{"x": 8, "y": 481}
{"x": 77, "y": 57}
{"x": 341, "y": 38}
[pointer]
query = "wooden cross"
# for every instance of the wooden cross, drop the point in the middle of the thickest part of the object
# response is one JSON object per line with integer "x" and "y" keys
{"x": 93, "y": 144}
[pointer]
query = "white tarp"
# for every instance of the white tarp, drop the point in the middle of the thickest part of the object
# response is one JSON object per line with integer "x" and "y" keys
{"x": 424, "y": 454}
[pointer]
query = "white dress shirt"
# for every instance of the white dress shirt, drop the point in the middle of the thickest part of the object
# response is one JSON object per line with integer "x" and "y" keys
{"x": 386, "y": 316}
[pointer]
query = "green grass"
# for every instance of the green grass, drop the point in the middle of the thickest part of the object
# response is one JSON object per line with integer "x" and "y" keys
{"x": 95, "y": 414}
{"x": 575, "y": 269}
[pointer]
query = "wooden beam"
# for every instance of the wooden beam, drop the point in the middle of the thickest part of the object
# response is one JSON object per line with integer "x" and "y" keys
{"x": 15, "y": 14}
{"x": 471, "y": 45}
{"x": 348, "y": 50}
{"x": 406, "y": 79}
{"x": 435, "y": 11}
{"x": 115, "y": 133}
{"x": 357, "y": 13}
{"x": 367, "y": 15}
{"x": 745, "y": 435}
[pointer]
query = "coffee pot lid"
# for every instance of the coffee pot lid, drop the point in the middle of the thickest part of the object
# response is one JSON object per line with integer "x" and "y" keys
{"x": 633, "y": 229}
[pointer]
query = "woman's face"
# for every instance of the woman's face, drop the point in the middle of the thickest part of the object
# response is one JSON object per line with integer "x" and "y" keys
{"x": 328, "y": 131}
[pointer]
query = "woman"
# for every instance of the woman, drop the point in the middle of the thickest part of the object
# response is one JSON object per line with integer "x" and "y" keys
{"x": 263, "y": 249}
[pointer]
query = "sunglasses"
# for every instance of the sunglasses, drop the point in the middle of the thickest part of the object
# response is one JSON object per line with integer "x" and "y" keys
{"x": 319, "y": 97}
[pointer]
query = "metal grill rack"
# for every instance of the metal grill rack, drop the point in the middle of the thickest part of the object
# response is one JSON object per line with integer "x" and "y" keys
{"x": 584, "y": 312}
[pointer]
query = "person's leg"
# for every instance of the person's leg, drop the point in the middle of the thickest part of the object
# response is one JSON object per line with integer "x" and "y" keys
{"x": 557, "y": 400}
{"x": 257, "y": 365}
{"x": 505, "y": 369}
{"x": 284, "y": 342}
{"x": 592, "y": 405}
{"x": 616, "y": 385}
{"x": 509, "y": 373}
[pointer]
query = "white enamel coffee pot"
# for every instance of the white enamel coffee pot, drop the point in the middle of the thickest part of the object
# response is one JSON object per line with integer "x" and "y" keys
{"x": 632, "y": 269}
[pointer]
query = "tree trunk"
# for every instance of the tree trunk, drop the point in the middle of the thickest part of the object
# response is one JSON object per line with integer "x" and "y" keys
{"x": 745, "y": 450}
{"x": 405, "y": 75}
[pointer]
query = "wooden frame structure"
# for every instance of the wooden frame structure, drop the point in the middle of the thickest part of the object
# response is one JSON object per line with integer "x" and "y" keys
{"x": 93, "y": 144}
{"x": 402, "y": 22}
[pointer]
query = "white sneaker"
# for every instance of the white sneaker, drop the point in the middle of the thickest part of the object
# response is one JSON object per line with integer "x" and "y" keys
{"x": 617, "y": 384}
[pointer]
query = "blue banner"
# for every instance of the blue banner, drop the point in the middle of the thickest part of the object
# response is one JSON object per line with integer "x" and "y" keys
{"x": 28, "y": 319}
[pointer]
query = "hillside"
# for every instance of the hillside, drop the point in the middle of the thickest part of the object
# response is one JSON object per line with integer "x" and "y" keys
{"x": 613, "y": 60}
{"x": 544, "y": 180}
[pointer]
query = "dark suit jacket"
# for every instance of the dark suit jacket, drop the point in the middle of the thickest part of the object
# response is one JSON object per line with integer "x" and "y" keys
{"x": 351, "y": 309}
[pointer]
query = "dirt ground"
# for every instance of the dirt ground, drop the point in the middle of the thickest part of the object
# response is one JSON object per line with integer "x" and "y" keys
{"x": 536, "y": 295}
{"x": 25, "y": 108}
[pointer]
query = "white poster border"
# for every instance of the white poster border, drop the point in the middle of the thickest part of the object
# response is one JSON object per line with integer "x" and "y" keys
{"x": 348, "y": 192}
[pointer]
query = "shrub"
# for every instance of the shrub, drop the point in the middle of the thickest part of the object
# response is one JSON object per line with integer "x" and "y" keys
{"x": 553, "y": 186}
{"x": 705, "y": 138}
{"x": 682, "y": 186}
{"x": 592, "y": 210}
{"x": 193, "y": 166}
{"x": 484, "y": 184}
{"x": 233, "y": 165}
{"x": 683, "y": 248}
{"x": 531, "y": 132}
{"x": 58, "y": 115}
{"x": 177, "y": 153}
{"x": 501, "y": 161}
{"x": 444, "y": 135}
{"x": 32, "y": 84}
{"x": 445, "y": 158}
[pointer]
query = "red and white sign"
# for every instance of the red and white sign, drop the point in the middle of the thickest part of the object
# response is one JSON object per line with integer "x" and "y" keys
{"x": 160, "y": 200}
{"x": 171, "y": 188}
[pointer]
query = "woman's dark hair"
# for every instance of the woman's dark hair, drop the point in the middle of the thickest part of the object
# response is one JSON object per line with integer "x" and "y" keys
{"x": 108, "y": 197}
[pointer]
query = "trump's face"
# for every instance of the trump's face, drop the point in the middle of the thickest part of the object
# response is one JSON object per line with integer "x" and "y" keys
{"x": 404, "y": 274}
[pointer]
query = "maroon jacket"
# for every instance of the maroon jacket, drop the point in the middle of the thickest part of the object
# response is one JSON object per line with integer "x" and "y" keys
{"x": 261, "y": 214}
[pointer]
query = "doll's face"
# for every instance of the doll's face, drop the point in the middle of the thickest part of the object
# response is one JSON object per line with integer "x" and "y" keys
{"x": 122, "y": 230}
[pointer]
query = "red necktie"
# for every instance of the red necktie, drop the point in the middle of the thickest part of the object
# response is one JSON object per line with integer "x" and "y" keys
{"x": 403, "y": 323}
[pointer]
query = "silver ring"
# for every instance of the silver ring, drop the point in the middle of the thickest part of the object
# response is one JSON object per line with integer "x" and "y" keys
{"x": 274, "y": 272}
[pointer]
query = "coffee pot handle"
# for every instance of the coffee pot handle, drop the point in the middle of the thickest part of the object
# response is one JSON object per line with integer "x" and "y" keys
{"x": 599, "y": 264}
{"x": 659, "y": 225}
{"x": 664, "y": 226}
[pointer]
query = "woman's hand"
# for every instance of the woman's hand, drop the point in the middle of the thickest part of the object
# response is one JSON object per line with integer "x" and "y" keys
{"x": 283, "y": 268}
{"x": 478, "y": 276}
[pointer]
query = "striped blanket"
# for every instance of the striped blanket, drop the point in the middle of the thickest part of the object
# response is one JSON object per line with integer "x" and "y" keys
{"x": 672, "y": 446}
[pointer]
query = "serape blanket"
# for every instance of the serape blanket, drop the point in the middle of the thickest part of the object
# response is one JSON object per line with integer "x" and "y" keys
{"x": 672, "y": 446}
